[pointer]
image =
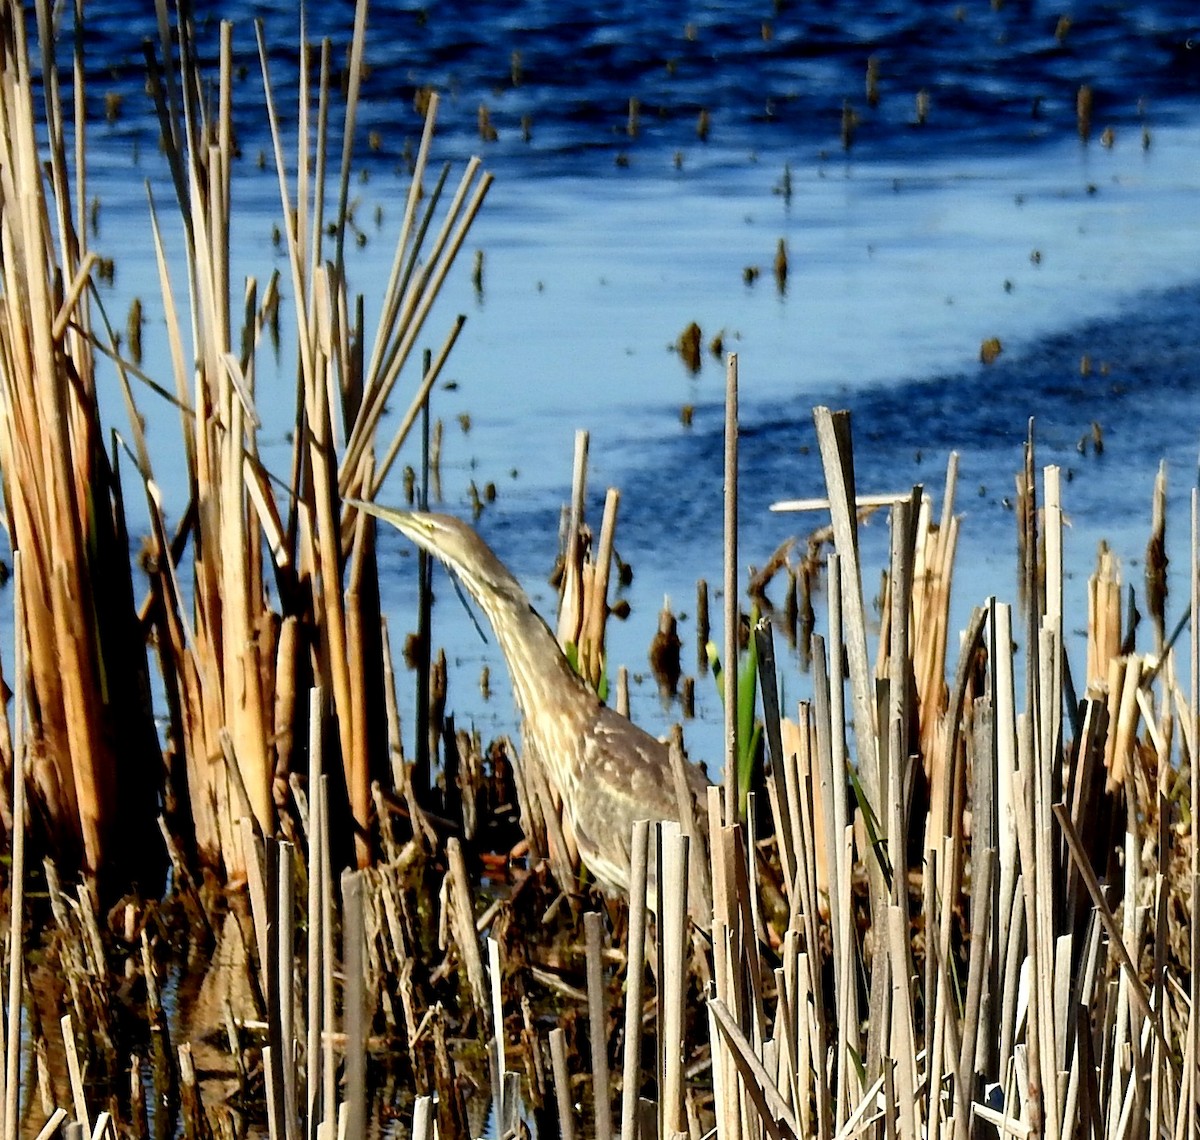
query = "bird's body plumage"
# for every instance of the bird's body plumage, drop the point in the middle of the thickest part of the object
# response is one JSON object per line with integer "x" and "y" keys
{"x": 630, "y": 778}
{"x": 602, "y": 769}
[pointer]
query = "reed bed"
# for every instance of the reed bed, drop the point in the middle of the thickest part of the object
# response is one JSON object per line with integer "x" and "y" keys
{"x": 957, "y": 899}
{"x": 1001, "y": 942}
{"x": 278, "y": 594}
{"x": 987, "y": 934}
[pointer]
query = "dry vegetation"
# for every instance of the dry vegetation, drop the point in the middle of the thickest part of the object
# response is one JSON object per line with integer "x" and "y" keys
{"x": 968, "y": 914}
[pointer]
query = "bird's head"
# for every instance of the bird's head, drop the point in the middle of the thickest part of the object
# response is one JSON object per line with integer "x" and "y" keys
{"x": 454, "y": 543}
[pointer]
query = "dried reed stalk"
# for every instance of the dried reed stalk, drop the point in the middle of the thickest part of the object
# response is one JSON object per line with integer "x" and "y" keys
{"x": 1192, "y": 1039}
{"x": 634, "y": 979}
{"x": 570, "y": 590}
{"x": 354, "y": 1005}
{"x": 598, "y": 1026}
{"x": 562, "y": 1085}
{"x": 11, "y": 1022}
{"x": 1104, "y": 616}
{"x": 730, "y": 578}
{"x": 584, "y": 576}
{"x": 592, "y": 660}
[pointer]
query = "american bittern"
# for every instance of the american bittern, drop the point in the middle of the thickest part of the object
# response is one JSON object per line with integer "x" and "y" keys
{"x": 604, "y": 771}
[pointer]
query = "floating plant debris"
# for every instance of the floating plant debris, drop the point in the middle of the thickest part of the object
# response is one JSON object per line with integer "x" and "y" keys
{"x": 133, "y": 329}
{"x": 849, "y": 125}
{"x": 1084, "y": 102}
{"x": 664, "y": 652}
{"x": 688, "y": 346}
{"x": 487, "y": 132}
{"x": 781, "y": 266}
{"x": 923, "y": 105}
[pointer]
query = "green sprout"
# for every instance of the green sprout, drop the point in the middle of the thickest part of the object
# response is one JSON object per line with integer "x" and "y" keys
{"x": 749, "y": 727}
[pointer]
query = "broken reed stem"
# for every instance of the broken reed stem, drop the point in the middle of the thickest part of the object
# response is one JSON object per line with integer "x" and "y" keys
{"x": 838, "y": 462}
{"x": 327, "y": 1069}
{"x": 1193, "y": 1018}
{"x": 571, "y": 601}
{"x": 316, "y": 881}
{"x": 562, "y": 1085}
{"x": 463, "y": 925}
{"x": 495, "y": 978}
{"x": 672, "y": 882}
{"x": 635, "y": 971}
{"x": 595, "y": 601}
{"x": 16, "y": 919}
{"x": 422, "y": 1124}
{"x": 354, "y": 1003}
{"x": 285, "y": 975}
{"x": 75, "y": 1072}
{"x": 732, "y": 805}
{"x": 598, "y": 1027}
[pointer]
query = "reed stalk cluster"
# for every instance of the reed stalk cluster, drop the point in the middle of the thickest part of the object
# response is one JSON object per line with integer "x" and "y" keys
{"x": 263, "y": 590}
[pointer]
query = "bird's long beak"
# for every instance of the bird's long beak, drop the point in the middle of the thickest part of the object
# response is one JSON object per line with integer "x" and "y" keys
{"x": 403, "y": 520}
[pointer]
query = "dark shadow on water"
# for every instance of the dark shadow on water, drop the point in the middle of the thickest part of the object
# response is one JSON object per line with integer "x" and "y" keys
{"x": 1135, "y": 375}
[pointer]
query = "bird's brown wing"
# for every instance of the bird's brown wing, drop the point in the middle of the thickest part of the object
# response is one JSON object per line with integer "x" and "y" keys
{"x": 623, "y": 775}
{"x": 636, "y": 768}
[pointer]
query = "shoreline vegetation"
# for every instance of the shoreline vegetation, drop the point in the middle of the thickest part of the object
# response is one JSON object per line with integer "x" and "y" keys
{"x": 970, "y": 915}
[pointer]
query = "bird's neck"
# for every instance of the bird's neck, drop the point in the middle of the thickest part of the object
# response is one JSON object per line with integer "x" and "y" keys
{"x": 541, "y": 673}
{"x": 537, "y": 661}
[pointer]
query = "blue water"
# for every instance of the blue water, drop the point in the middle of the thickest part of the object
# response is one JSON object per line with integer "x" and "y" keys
{"x": 770, "y": 75}
{"x": 601, "y": 243}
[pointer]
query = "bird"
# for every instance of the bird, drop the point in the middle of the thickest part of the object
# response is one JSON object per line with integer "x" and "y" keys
{"x": 602, "y": 769}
